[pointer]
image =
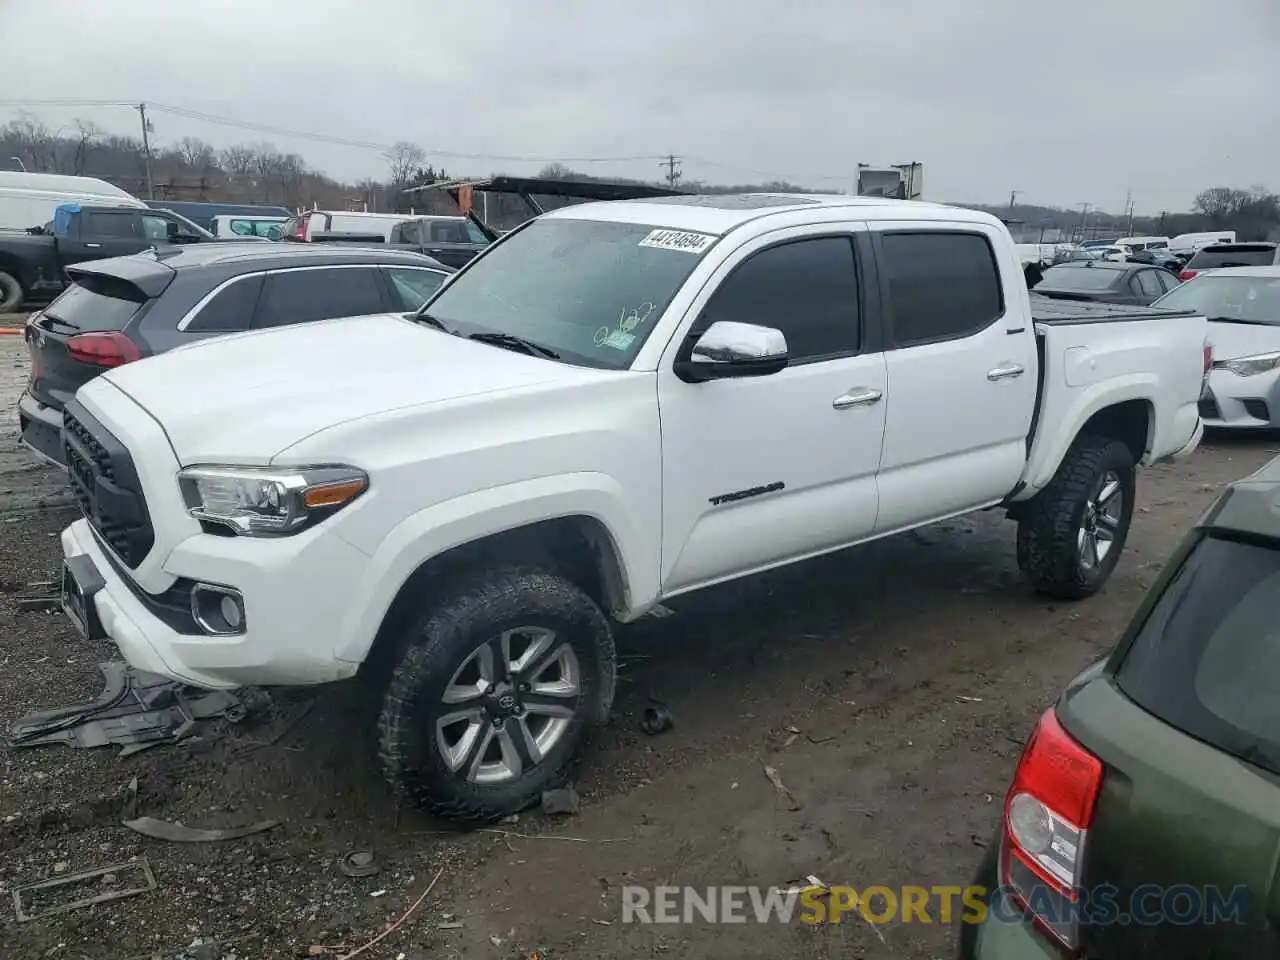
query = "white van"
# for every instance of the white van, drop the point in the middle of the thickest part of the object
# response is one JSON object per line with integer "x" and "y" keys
{"x": 306, "y": 225}
{"x": 29, "y": 199}
{"x": 1191, "y": 242}
{"x": 1144, "y": 243}
{"x": 248, "y": 228}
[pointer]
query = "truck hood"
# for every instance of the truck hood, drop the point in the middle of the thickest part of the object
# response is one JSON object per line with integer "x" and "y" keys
{"x": 1232, "y": 340}
{"x": 246, "y": 397}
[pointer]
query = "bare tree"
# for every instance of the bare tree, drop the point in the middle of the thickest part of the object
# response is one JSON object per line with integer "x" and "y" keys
{"x": 290, "y": 170}
{"x": 238, "y": 160}
{"x": 557, "y": 171}
{"x": 197, "y": 155}
{"x": 87, "y": 134}
{"x": 403, "y": 160}
{"x": 37, "y": 147}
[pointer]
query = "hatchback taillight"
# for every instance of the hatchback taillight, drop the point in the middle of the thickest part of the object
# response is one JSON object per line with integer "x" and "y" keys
{"x": 103, "y": 349}
{"x": 1046, "y": 818}
{"x": 1187, "y": 275}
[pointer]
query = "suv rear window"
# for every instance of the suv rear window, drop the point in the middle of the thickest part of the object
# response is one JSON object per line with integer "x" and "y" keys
{"x": 97, "y": 303}
{"x": 1207, "y": 659}
{"x": 1234, "y": 255}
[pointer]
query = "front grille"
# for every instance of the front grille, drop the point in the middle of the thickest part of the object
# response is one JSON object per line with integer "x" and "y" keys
{"x": 1209, "y": 409}
{"x": 105, "y": 485}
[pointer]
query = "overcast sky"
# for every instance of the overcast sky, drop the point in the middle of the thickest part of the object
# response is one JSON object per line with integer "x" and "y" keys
{"x": 1067, "y": 102}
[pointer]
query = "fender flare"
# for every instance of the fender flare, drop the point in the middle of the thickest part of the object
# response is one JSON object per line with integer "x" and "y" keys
{"x": 433, "y": 531}
{"x": 1047, "y": 454}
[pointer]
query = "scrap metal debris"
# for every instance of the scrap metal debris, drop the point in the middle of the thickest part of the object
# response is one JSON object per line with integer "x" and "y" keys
{"x": 564, "y": 801}
{"x": 656, "y": 720}
{"x": 359, "y": 863}
{"x": 105, "y": 875}
{"x": 177, "y": 833}
{"x": 787, "y": 795}
{"x": 136, "y": 710}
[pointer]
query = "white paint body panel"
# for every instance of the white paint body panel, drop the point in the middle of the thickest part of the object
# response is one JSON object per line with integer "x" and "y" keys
{"x": 462, "y": 440}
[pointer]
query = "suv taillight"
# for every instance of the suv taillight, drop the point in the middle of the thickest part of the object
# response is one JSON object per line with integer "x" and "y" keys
{"x": 1187, "y": 275}
{"x": 103, "y": 349}
{"x": 302, "y": 227}
{"x": 1046, "y": 817}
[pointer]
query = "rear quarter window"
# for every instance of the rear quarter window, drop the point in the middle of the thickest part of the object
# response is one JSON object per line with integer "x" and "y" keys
{"x": 1207, "y": 658}
{"x": 943, "y": 285}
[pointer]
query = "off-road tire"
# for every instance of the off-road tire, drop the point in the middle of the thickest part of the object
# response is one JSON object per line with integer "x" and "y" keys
{"x": 1048, "y": 552}
{"x": 442, "y": 640}
{"x": 11, "y": 294}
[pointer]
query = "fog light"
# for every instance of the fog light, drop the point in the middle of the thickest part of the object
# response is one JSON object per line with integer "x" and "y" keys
{"x": 218, "y": 611}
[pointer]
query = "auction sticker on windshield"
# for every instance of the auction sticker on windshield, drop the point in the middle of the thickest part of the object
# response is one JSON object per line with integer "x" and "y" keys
{"x": 682, "y": 240}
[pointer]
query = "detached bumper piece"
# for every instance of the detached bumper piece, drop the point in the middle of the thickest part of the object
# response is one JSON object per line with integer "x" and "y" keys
{"x": 136, "y": 710}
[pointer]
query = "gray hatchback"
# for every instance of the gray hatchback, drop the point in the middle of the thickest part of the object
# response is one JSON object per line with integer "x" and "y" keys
{"x": 123, "y": 309}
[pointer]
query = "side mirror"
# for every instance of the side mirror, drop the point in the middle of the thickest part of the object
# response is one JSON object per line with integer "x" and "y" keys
{"x": 729, "y": 350}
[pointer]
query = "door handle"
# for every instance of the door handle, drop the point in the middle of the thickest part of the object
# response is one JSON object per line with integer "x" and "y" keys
{"x": 859, "y": 397}
{"x": 93, "y": 246}
{"x": 1006, "y": 371}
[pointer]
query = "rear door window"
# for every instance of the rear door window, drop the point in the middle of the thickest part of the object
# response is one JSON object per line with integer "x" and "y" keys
{"x": 1235, "y": 255}
{"x": 304, "y": 296}
{"x": 116, "y": 225}
{"x": 96, "y": 303}
{"x": 942, "y": 285}
{"x": 1207, "y": 659}
{"x": 230, "y": 309}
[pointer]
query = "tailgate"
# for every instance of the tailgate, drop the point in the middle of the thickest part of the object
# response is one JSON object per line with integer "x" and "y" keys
{"x": 92, "y": 304}
{"x": 1094, "y": 362}
{"x": 1175, "y": 814}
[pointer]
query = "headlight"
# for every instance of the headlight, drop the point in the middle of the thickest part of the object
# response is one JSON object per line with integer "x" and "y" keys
{"x": 269, "y": 501}
{"x": 1251, "y": 366}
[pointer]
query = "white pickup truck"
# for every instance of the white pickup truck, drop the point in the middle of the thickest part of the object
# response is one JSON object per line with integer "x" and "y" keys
{"x": 615, "y": 404}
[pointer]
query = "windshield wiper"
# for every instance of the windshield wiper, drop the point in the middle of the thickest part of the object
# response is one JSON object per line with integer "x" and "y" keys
{"x": 58, "y": 321}
{"x": 512, "y": 342}
{"x": 430, "y": 321}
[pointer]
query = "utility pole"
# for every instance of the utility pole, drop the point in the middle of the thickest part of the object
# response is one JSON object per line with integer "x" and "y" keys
{"x": 672, "y": 163}
{"x": 146, "y": 149}
{"x": 1013, "y": 196}
{"x": 1084, "y": 218}
{"x": 1128, "y": 211}
{"x": 1163, "y": 216}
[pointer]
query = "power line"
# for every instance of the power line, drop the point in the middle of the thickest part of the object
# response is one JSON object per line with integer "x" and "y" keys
{"x": 219, "y": 120}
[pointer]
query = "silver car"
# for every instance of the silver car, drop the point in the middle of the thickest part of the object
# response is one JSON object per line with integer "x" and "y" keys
{"x": 1243, "y": 307}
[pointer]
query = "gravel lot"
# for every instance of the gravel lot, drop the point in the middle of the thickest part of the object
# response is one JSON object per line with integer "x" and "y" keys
{"x": 843, "y": 674}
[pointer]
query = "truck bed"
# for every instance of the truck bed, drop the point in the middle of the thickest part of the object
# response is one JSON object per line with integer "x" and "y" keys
{"x": 1053, "y": 310}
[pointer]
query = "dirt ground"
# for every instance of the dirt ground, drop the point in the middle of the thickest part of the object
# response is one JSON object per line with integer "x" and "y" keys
{"x": 843, "y": 674}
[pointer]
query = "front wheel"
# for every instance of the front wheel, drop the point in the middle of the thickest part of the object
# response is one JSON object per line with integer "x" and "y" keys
{"x": 498, "y": 689}
{"x": 1073, "y": 532}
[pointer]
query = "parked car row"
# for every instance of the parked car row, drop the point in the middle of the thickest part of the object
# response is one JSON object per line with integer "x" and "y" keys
{"x": 49, "y": 223}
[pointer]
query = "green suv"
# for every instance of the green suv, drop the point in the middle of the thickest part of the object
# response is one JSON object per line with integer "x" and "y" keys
{"x": 1144, "y": 816}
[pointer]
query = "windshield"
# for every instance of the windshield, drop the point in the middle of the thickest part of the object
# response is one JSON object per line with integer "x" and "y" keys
{"x": 1207, "y": 659}
{"x": 1079, "y": 278}
{"x": 590, "y": 291}
{"x": 1248, "y": 299}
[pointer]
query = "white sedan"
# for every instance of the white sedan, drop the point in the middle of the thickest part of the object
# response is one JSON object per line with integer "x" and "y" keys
{"x": 1243, "y": 307}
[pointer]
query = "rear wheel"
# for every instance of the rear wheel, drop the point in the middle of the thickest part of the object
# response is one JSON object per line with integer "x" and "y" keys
{"x": 500, "y": 686}
{"x": 11, "y": 295}
{"x": 1072, "y": 534}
